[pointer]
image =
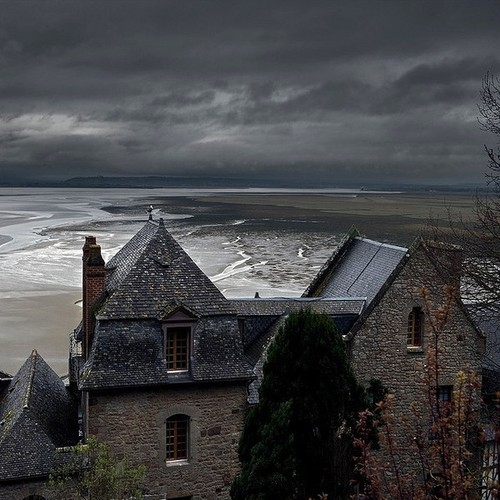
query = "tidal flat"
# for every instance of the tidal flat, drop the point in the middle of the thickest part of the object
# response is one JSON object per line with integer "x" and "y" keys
{"x": 396, "y": 218}
{"x": 246, "y": 242}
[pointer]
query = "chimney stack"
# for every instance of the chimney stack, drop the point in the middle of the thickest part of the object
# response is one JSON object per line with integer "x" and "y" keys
{"x": 94, "y": 276}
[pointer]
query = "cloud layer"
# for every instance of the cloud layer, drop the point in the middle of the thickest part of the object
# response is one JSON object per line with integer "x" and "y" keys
{"x": 343, "y": 91}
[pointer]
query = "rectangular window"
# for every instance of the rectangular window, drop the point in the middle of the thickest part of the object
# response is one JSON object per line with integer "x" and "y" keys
{"x": 177, "y": 347}
{"x": 442, "y": 410}
{"x": 444, "y": 394}
{"x": 177, "y": 437}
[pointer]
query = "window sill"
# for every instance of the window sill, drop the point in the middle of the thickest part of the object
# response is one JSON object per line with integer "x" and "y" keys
{"x": 184, "y": 376}
{"x": 176, "y": 463}
{"x": 417, "y": 349}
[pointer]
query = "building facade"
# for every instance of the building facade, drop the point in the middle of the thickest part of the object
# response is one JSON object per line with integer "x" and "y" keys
{"x": 163, "y": 367}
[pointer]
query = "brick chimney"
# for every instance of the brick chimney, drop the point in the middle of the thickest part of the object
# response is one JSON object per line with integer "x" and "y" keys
{"x": 94, "y": 276}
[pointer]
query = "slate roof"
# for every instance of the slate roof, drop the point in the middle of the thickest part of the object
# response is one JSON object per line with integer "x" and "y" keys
{"x": 37, "y": 415}
{"x": 129, "y": 353}
{"x": 358, "y": 268}
{"x": 278, "y": 306}
{"x": 152, "y": 275}
{"x": 148, "y": 280}
{"x": 258, "y": 314}
{"x": 258, "y": 355}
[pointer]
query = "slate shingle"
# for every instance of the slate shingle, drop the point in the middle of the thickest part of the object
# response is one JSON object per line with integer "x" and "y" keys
{"x": 279, "y": 306}
{"x": 129, "y": 353}
{"x": 37, "y": 415}
{"x": 150, "y": 271}
{"x": 359, "y": 269}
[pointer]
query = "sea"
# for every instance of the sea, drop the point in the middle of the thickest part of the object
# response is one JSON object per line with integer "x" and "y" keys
{"x": 42, "y": 231}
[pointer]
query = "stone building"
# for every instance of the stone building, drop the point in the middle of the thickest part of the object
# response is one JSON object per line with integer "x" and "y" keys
{"x": 163, "y": 366}
{"x": 389, "y": 296}
{"x": 164, "y": 380}
{"x": 391, "y": 339}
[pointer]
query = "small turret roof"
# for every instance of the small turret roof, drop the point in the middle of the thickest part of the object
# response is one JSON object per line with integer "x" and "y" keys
{"x": 37, "y": 414}
{"x": 150, "y": 272}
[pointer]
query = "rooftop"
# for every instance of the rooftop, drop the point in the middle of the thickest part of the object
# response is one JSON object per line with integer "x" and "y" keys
{"x": 358, "y": 268}
{"x": 37, "y": 415}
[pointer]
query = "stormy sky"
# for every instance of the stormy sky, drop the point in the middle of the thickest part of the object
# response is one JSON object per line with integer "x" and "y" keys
{"x": 336, "y": 91}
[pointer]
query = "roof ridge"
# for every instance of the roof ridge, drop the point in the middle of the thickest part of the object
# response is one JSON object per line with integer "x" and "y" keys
{"x": 381, "y": 244}
{"x": 29, "y": 386}
{"x": 295, "y": 299}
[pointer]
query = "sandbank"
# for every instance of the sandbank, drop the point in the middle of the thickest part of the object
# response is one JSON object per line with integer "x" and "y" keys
{"x": 39, "y": 320}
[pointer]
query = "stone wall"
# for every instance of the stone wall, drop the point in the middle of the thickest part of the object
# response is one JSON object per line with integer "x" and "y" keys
{"x": 379, "y": 349}
{"x": 132, "y": 423}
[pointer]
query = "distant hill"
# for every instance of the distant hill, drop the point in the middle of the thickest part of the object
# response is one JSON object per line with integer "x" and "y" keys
{"x": 166, "y": 182}
{"x": 151, "y": 182}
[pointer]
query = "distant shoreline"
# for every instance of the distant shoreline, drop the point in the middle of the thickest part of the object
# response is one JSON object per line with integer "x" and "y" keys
{"x": 158, "y": 182}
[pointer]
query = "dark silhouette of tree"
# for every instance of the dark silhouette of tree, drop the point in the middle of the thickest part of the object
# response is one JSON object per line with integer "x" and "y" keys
{"x": 297, "y": 441}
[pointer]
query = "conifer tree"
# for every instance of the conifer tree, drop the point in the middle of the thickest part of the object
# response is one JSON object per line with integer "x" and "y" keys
{"x": 297, "y": 441}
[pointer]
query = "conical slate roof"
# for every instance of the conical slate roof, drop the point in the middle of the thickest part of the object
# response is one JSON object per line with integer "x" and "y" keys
{"x": 37, "y": 415}
{"x": 152, "y": 275}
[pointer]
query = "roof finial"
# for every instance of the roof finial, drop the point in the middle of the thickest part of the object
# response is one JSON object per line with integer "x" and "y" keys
{"x": 150, "y": 212}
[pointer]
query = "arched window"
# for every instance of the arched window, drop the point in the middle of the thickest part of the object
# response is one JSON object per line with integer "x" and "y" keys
{"x": 415, "y": 327}
{"x": 177, "y": 437}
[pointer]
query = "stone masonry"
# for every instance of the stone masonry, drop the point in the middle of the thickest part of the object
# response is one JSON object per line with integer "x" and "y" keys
{"x": 132, "y": 423}
{"x": 379, "y": 348}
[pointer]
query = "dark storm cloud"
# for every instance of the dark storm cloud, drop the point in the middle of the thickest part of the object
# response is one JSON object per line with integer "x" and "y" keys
{"x": 382, "y": 90}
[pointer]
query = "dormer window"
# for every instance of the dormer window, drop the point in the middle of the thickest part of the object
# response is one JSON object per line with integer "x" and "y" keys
{"x": 177, "y": 347}
{"x": 415, "y": 327}
{"x": 178, "y": 329}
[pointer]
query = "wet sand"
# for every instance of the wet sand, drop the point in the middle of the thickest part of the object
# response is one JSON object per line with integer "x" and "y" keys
{"x": 391, "y": 217}
{"x": 42, "y": 321}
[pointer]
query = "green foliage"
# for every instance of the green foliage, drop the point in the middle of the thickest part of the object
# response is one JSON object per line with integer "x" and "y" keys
{"x": 94, "y": 474}
{"x": 297, "y": 440}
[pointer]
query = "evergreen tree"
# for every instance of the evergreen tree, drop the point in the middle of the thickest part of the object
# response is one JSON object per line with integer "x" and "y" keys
{"x": 297, "y": 441}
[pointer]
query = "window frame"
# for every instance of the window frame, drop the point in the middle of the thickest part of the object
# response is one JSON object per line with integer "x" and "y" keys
{"x": 415, "y": 328}
{"x": 178, "y": 451}
{"x": 444, "y": 397}
{"x": 193, "y": 437}
{"x": 171, "y": 355}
